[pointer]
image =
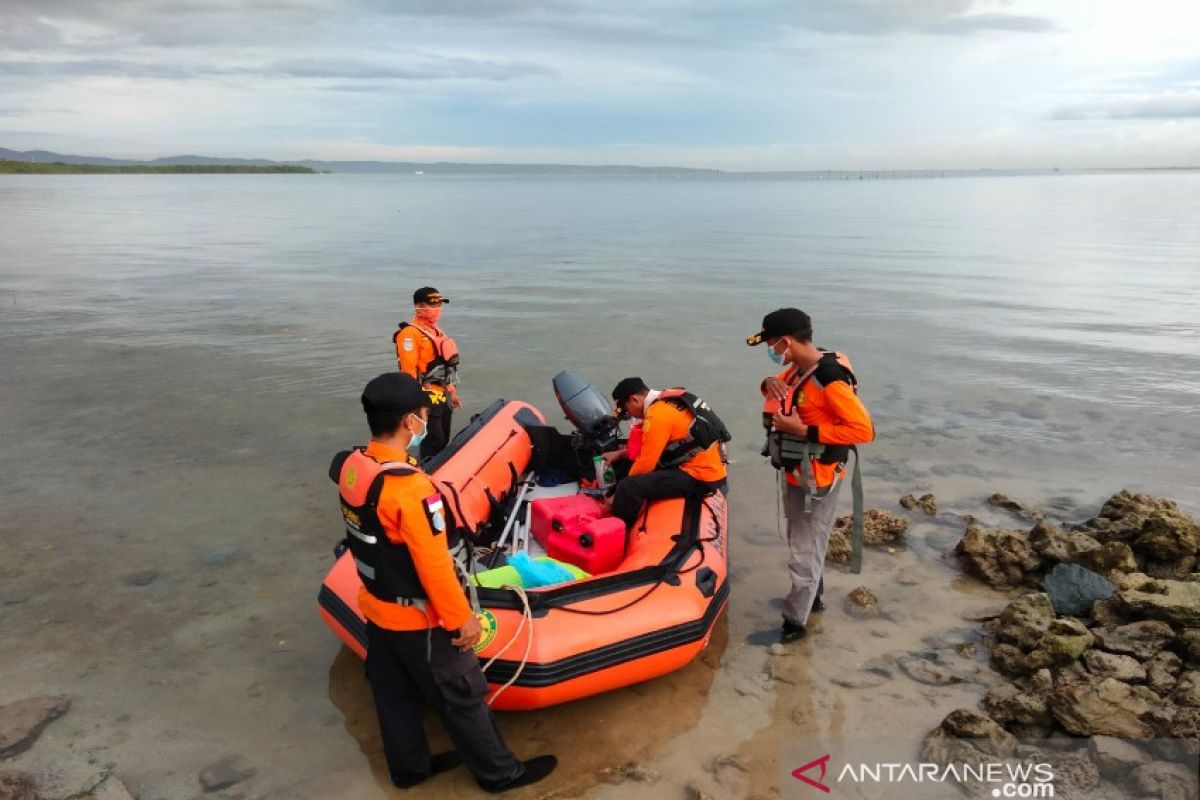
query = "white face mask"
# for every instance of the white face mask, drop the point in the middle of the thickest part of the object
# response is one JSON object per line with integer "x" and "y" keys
{"x": 778, "y": 358}
{"x": 417, "y": 438}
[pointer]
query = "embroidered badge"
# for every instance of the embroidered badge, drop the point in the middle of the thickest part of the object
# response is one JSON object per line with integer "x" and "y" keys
{"x": 351, "y": 477}
{"x": 487, "y": 626}
{"x": 435, "y": 510}
{"x": 408, "y": 345}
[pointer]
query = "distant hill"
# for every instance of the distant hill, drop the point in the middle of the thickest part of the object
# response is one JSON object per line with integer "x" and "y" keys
{"x": 14, "y": 167}
{"x": 404, "y": 167}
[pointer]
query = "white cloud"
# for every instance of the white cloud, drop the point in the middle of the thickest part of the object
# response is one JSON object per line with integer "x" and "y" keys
{"x": 753, "y": 84}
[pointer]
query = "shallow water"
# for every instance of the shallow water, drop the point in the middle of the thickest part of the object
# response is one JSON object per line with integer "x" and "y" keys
{"x": 180, "y": 355}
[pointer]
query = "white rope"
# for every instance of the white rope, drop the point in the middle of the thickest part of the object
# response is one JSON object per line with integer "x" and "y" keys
{"x": 526, "y": 619}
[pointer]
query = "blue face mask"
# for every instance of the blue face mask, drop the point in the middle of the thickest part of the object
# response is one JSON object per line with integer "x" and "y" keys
{"x": 417, "y": 438}
{"x": 776, "y": 358}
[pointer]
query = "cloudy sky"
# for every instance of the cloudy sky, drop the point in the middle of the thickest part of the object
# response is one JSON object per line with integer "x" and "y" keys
{"x": 732, "y": 84}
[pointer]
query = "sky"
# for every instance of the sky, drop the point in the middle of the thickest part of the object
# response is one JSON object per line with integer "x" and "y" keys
{"x": 726, "y": 84}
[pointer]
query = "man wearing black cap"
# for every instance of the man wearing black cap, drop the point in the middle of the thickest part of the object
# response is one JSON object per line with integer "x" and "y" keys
{"x": 671, "y": 462}
{"x": 814, "y": 417}
{"x": 424, "y": 351}
{"x": 420, "y": 626}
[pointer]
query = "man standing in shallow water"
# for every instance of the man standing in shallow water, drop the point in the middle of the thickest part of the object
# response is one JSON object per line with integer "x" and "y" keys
{"x": 424, "y": 351}
{"x": 421, "y": 628}
{"x": 815, "y": 411}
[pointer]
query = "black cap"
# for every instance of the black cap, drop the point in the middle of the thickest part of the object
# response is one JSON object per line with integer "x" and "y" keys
{"x": 428, "y": 294}
{"x": 394, "y": 393}
{"x": 783, "y": 322}
{"x": 627, "y": 389}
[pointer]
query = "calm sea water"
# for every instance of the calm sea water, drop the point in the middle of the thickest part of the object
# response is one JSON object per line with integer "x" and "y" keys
{"x": 180, "y": 355}
{"x": 1045, "y": 315}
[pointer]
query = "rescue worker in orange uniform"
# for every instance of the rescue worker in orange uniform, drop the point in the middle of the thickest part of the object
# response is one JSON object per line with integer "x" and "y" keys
{"x": 681, "y": 447}
{"x": 424, "y": 351}
{"x": 420, "y": 625}
{"x": 814, "y": 405}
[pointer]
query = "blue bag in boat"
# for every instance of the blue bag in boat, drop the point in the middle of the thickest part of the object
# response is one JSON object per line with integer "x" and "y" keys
{"x": 538, "y": 573}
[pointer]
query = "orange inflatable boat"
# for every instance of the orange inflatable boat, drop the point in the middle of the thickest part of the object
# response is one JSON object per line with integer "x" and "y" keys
{"x": 650, "y": 615}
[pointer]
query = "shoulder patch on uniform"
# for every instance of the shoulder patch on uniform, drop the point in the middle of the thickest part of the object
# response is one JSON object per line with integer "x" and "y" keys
{"x": 435, "y": 509}
{"x": 408, "y": 344}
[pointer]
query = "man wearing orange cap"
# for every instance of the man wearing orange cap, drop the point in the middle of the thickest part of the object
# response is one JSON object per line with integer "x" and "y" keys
{"x": 424, "y": 351}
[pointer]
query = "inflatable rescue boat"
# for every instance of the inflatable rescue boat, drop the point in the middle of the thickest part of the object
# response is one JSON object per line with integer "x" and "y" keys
{"x": 638, "y": 604}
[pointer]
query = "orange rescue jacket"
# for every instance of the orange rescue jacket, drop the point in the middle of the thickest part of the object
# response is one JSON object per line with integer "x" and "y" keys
{"x": 828, "y": 404}
{"x": 427, "y": 353}
{"x": 403, "y": 510}
{"x": 665, "y": 423}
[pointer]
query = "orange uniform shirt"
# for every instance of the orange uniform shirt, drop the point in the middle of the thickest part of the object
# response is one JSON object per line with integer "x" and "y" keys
{"x": 414, "y": 351}
{"x": 664, "y": 423}
{"x": 402, "y": 514}
{"x": 832, "y": 411}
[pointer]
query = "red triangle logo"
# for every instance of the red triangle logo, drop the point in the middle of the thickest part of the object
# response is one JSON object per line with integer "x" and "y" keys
{"x": 821, "y": 762}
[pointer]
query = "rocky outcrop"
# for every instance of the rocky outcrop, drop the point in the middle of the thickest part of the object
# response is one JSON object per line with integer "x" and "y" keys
{"x": 969, "y": 730}
{"x": 1025, "y": 621}
{"x": 1116, "y": 758}
{"x": 1122, "y": 516}
{"x": 1175, "y": 602}
{"x": 1003, "y": 559}
{"x": 1065, "y": 640}
{"x": 1013, "y": 707}
{"x": 22, "y": 722}
{"x": 1166, "y": 781}
{"x": 880, "y": 529}
{"x": 1142, "y": 639}
{"x": 861, "y": 602}
{"x": 1111, "y": 649}
{"x": 1108, "y": 665}
{"x": 1133, "y": 534}
{"x": 1106, "y": 707}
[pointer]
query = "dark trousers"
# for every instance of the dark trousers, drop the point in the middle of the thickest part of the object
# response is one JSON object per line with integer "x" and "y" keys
{"x": 404, "y": 679}
{"x": 634, "y": 492}
{"x": 438, "y": 435}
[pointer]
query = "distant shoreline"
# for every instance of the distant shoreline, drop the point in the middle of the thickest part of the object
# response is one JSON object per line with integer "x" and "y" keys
{"x": 59, "y": 168}
{"x": 11, "y": 166}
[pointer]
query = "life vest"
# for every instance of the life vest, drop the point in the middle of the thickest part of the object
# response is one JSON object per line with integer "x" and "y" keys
{"x": 706, "y": 429}
{"x": 633, "y": 445}
{"x": 386, "y": 567}
{"x": 443, "y": 368}
{"x": 790, "y": 451}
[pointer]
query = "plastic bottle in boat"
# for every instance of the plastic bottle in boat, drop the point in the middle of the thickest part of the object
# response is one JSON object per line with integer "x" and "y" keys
{"x": 603, "y": 473}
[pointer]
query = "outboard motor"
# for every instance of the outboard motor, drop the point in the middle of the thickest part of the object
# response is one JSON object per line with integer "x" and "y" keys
{"x": 587, "y": 409}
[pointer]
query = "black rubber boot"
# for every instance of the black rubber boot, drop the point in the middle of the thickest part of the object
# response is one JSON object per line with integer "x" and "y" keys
{"x": 792, "y": 632}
